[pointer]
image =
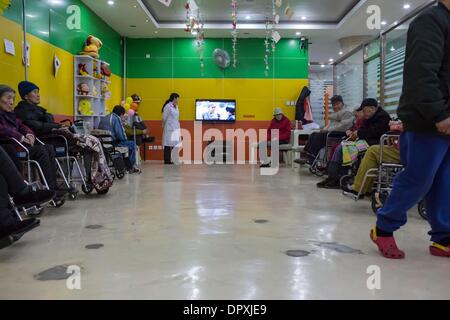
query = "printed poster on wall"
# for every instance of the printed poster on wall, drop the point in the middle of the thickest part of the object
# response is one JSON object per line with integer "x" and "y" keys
{"x": 10, "y": 47}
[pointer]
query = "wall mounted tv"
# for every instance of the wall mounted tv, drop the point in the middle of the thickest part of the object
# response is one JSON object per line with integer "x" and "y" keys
{"x": 211, "y": 110}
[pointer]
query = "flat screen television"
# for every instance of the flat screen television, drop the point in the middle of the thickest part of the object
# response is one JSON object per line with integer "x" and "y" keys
{"x": 211, "y": 110}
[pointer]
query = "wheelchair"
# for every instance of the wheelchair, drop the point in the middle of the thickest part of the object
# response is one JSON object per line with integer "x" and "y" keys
{"x": 319, "y": 165}
{"x": 70, "y": 158}
{"x": 35, "y": 178}
{"x": 114, "y": 154}
{"x": 384, "y": 177}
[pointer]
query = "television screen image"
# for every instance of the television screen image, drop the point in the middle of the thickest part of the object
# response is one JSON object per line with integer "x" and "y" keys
{"x": 215, "y": 110}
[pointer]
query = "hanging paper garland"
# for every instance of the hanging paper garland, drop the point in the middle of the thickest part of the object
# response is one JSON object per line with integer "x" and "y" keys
{"x": 234, "y": 6}
{"x": 267, "y": 54}
{"x": 275, "y": 20}
{"x": 195, "y": 25}
{"x": 4, "y": 5}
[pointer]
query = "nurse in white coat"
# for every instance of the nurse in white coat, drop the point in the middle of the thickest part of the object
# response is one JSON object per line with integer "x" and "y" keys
{"x": 171, "y": 125}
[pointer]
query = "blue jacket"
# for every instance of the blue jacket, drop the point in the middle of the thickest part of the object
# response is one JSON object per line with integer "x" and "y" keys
{"x": 113, "y": 123}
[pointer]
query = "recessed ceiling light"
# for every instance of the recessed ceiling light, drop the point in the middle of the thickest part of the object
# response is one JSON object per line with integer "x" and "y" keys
{"x": 341, "y": 53}
{"x": 31, "y": 15}
{"x": 298, "y": 33}
{"x": 56, "y": 2}
{"x": 111, "y": 2}
{"x": 383, "y": 23}
{"x": 322, "y": 66}
{"x": 392, "y": 48}
{"x": 247, "y": 17}
{"x": 331, "y": 60}
{"x": 156, "y": 31}
{"x": 303, "y": 18}
{"x": 407, "y": 6}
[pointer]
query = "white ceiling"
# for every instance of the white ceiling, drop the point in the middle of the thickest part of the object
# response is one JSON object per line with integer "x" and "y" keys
{"x": 258, "y": 10}
{"x": 327, "y": 20}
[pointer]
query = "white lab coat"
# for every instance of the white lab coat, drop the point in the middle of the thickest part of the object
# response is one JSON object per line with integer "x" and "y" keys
{"x": 171, "y": 125}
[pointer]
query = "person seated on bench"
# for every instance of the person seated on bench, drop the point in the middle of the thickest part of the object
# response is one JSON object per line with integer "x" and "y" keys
{"x": 12, "y": 127}
{"x": 43, "y": 124}
{"x": 12, "y": 184}
{"x": 340, "y": 119}
{"x": 135, "y": 124}
{"x": 283, "y": 124}
{"x": 114, "y": 123}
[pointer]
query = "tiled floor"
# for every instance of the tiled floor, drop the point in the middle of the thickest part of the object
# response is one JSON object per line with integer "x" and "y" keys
{"x": 189, "y": 232}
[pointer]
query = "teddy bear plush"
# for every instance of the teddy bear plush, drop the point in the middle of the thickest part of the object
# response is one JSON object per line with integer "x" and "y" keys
{"x": 106, "y": 93}
{"x": 92, "y": 47}
{"x": 83, "y": 89}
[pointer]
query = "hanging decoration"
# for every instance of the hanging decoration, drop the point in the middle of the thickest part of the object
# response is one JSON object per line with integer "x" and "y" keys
{"x": 4, "y": 5}
{"x": 195, "y": 26}
{"x": 267, "y": 45}
{"x": 275, "y": 21}
{"x": 289, "y": 12}
{"x": 234, "y": 7}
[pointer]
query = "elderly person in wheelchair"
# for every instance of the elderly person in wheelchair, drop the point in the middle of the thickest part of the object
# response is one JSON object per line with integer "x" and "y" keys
{"x": 22, "y": 140}
{"x": 15, "y": 193}
{"x": 63, "y": 137}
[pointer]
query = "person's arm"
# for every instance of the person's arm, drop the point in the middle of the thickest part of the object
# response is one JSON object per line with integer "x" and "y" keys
{"x": 36, "y": 125}
{"x": 285, "y": 131}
{"x": 376, "y": 130}
{"x": 425, "y": 55}
{"x": 118, "y": 130}
{"x": 7, "y": 131}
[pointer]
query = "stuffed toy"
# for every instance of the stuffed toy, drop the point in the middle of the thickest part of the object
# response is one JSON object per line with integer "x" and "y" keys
{"x": 96, "y": 73}
{"x": 4, "y": 5}
{"x": 94, "y": 91}
{"x": 106, "y": 71}
{"x": 92, "y": 47}
{"x": 106, "y": 93}
{"x": 82, "y": 71}
{"x": 85, "y": 107}
{"x": 83, "y": 89}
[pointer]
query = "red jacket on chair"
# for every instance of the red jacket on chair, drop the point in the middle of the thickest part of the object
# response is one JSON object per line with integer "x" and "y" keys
{"x": 284, "y": 126}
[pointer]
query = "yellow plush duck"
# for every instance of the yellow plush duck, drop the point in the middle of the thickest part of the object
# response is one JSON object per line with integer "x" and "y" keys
{"x": 85, "y": 107}
{"x": 4, "y": 5}
{"x": 91, "y": 47}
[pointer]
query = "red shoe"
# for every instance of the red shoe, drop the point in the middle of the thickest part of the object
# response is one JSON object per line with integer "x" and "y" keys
{"x": 387, "y": 246}
{"x": 440, "y": 251}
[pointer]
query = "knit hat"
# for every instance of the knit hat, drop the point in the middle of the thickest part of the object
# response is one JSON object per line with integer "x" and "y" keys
{"x": 26, "y": 87}
{"x": 368, "y": 103}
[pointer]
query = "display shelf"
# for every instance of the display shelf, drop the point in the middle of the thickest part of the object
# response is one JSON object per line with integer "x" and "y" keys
{"x": 98, "y": 102}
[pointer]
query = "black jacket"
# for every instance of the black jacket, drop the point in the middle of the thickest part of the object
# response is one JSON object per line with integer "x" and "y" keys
{"x": 426, "y": 80}
{"x": 375, "y": 127}
{"x": 37, "y": 118}
{"x": 300, "y": 106}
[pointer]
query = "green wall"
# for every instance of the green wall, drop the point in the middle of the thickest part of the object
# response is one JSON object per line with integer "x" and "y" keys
{"x": 48, "y": 22}
{"x": 178, "y": 58}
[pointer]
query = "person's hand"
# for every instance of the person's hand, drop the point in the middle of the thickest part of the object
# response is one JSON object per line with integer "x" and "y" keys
{"x": 31, "y": 139}
{"x": 354, "y": 136}
{"x": 145, "y": 132}
{"x": 349, "y": 133}
{"x": 65, "y": 125}
{"x": 444, "y": 126}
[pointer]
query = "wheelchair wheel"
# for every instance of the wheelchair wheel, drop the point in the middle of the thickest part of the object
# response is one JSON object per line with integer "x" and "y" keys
{"x": 88, "y": 188}
{"x": 422, "y": 210}
{"x": 58, "y": 203}
{"x": 346, "y": 180}
{"x": 378, "y": 200}
{"x": 102, "y": 192}
{"x": 73, "y": 195}
{"x": 120, "y": 175}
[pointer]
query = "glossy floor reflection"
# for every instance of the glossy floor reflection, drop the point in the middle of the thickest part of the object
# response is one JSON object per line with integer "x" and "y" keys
{"x": 193, "y": 232}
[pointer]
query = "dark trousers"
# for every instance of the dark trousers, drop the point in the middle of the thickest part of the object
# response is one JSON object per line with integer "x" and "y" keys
{"x": 11, "y": 182}
{"x": 168, "y": 154}
{"x": 316, "y": 142}
{"x": 427, "y": 175}
{"x": 45, "y": 156}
